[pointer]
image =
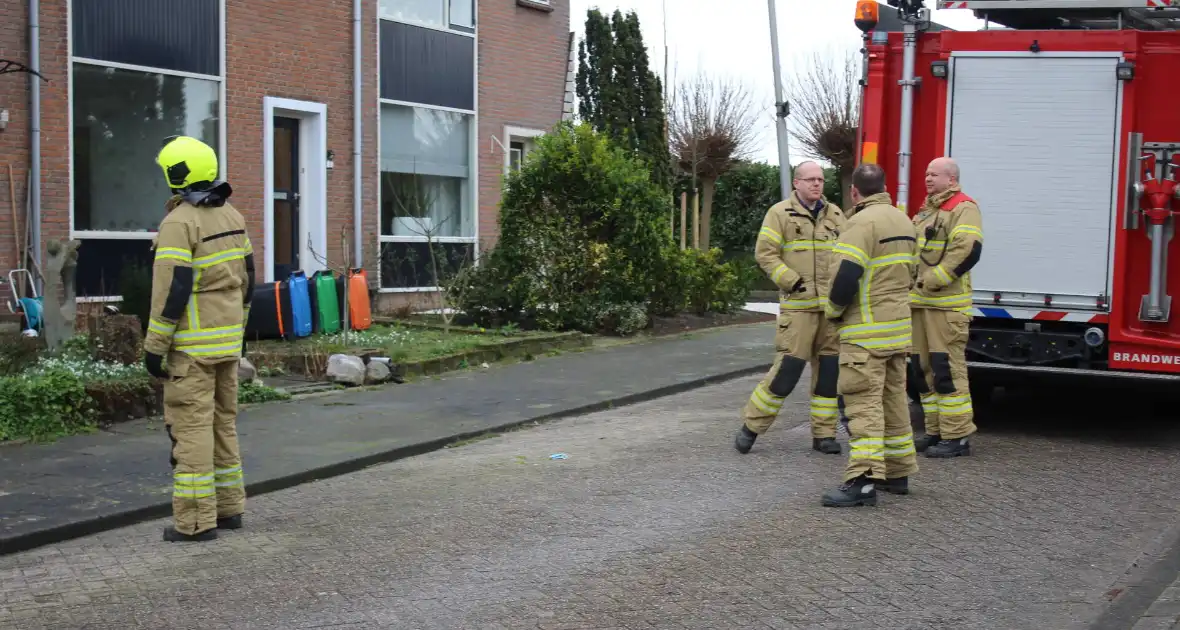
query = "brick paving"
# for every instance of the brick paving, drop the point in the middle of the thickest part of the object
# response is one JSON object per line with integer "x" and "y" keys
{"x": 653, "y": 521}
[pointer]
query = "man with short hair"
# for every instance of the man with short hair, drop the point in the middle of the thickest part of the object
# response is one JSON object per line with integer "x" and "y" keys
{"x": 950, "y": 233}
{"x": 872, "y": 272}
{"x": 794, "y": 248}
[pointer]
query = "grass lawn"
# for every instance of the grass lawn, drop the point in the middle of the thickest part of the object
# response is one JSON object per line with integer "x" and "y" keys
{"x": 400, "y": 343}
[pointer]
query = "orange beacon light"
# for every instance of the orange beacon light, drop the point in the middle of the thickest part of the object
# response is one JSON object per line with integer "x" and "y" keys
{"x": 866, "y": 15}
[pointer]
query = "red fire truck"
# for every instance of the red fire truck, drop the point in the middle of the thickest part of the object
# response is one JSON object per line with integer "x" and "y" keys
{"x": 1061, "y": 115}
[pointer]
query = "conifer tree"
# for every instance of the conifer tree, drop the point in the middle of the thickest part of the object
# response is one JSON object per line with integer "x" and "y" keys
{"x": 618, "y": 93}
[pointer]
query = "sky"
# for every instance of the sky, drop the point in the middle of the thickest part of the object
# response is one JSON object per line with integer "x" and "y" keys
{"x": 731, "y": 39}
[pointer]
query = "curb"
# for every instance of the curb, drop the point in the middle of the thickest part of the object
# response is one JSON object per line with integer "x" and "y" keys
{"x": 1141, "y": 585}
{"x": 87, "y": 527}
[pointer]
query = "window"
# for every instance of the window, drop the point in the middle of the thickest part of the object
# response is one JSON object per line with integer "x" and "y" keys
{"x": 141, "y": 70}
{"x": 521, "y": 142}
{"x": 120, "y": 118}
{"x": 463, "y": 14}
{"x": 425, "y": 172}
{"x": 457, "y": 14}
{"x": 427, "y": 183}
{"x": 515, "y": 155}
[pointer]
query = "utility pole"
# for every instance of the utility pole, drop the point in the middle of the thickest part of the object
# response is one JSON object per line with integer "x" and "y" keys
{"x": 781, "y": 109}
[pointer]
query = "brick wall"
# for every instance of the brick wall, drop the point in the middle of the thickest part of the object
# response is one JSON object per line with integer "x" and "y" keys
{"x": 302, "y": 51}
{"x": 14, "y": 141}
{"x": 523, "y": 58}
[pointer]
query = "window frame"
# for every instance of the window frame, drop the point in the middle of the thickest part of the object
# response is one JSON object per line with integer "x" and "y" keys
{"x": 448, "y": 27}
{"x": 474, "y": 169}
{"x": 525, "y": 135}
{"x": 221, "y": 118}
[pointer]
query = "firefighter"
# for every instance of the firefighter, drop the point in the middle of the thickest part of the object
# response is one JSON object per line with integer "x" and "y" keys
{"x": 794, "y": 248}
{"x": 872, "y": 273}
{"x": 202, "y": 282}
{"x": 950, "y": 232}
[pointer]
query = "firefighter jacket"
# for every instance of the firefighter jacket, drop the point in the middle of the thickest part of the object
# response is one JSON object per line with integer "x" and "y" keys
{"x": 873, "y": 264}
{"x": 202, "y": 280}
{"x": 794, "y": 248}
{"x": 950, "y": 243}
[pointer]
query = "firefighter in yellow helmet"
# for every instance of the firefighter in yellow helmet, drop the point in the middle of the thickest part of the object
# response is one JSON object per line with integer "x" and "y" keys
{"x": 950, "y": 232}
{"x": 794, "y": 248}
{"x": 873, "y": 265}
{"x": 202, "y": 282}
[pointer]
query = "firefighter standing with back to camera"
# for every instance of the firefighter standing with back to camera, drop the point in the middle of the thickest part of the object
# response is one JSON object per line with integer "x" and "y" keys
{"x": 794, "y": 248}
{"x": 873, "y": 267}
{"x": 950, "y": 230}
{"x": 202, "y": 282}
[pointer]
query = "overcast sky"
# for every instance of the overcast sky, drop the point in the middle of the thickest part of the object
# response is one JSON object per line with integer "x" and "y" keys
{"x": 732, "y": 38}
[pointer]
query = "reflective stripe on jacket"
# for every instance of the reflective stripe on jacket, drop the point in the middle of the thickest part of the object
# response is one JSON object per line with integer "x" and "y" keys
{"x": 202, "y": 281}
{"x": 872, "y": 268}
{"x": 794, "y": 244}
{"x": 950, "y": 233}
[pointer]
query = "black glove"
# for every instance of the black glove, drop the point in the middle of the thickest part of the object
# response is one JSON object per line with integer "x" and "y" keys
{"x": 798, "y": 286}
{"x": 155, "y": 365}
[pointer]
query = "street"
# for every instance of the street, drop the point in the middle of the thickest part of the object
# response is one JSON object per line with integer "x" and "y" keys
{"x": 653, "y": 521}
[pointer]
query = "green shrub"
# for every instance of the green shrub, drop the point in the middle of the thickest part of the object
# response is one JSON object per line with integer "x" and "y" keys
{"x": 583, "y": 239}
{"x": 44, "y": 404}
{"x": 255, "y": 392}
{"x": 713, "y": 286}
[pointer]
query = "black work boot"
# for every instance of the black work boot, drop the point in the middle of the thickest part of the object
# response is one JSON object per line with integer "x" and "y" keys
{"x": 229, "y": 522}
{"x": 950, "y": 448}
{"x": 859, "y": 491}
{"x": 745, "y": 440}
{"x": 171, "y": 535}
{"x": 827, "y": 446}
{"x": 900, "y": 485}
{"x": 925, "y": 442}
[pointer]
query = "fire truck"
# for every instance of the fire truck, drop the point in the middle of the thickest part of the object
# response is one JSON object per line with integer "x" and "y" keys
{"x": 1061, "y": 115}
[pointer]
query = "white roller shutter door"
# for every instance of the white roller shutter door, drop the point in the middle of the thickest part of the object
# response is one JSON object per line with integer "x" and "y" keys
{"x": 1035, "y": 137}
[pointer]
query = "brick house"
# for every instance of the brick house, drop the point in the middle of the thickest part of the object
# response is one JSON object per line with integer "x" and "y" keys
{"x": 453, "y": 91}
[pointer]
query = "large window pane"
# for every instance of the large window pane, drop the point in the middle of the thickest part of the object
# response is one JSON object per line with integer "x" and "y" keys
{"x": 425, "y": 172}
{"x": 120, "y": 119}
{"x": 409, "y": 265}
{"x": 427, "y": 12}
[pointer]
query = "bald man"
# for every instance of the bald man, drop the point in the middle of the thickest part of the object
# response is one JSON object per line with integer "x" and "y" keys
{"x": 950, "y": 243}
{"x": 794, "y": 248}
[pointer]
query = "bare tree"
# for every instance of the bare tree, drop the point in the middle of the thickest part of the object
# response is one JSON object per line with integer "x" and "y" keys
{"x": 450, "y": 274}
{"x": 713, "y": 124}
{"x": 824, "y": 118}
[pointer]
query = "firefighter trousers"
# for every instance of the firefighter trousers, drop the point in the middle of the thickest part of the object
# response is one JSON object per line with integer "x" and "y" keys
{"x": 881, "y": 442}
{"x": 200, "y": 413}
{"x": 939, "y": 368}
{"x": 802, "y": 337}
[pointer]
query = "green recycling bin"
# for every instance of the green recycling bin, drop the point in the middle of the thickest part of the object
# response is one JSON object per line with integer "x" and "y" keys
{"x": 325, "y": 311}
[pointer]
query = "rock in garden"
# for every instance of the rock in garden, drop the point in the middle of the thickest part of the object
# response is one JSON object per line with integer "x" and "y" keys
{"x": 346, "y": 369}
{"x": 376, "y": 372}
{"x": 246, "y": 370}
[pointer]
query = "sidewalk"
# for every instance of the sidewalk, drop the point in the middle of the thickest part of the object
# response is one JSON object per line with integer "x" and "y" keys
{"x": 85, "y": 484}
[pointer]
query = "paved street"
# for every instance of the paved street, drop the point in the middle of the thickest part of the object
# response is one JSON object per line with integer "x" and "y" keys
{"x": 653, "y": 521}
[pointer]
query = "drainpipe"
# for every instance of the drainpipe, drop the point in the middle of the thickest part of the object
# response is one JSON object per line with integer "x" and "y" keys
{"x": 357, "y": 137}
{"x": 908, "y": 83}
{"x": 35, "y": 136}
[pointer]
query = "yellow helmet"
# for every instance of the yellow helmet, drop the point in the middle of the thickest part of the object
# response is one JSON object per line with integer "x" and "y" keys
{"x": 187, "y": 161}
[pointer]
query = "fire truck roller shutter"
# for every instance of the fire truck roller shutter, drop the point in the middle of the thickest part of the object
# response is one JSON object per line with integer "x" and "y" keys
{"x": 1036, "y": 137}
